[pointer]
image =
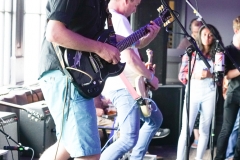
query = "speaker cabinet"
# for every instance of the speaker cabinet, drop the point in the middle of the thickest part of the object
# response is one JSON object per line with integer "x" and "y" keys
{"x": 9, "y": 125}
{"x": 40, "y": 134}
{"x": 147, "y": 11}
{"x": 169, "y": 99}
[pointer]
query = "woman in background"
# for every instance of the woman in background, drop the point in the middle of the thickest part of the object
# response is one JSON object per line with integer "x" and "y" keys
{"x": 202, "y": 90}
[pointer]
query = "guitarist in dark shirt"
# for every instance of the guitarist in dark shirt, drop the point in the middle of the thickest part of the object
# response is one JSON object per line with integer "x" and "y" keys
{"x": 72, "y": 24}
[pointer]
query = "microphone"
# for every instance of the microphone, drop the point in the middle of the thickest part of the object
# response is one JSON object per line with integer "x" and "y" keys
{"x": 219, "y": 65}
{"x": 219, "y": 61}
{"x": 15, "y": 148}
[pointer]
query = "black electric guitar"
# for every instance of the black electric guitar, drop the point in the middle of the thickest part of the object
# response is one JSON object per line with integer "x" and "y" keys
{"x": 89, "y": 71}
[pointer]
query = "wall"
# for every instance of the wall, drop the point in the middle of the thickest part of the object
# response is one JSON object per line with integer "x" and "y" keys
{"x": 219, "y": 13}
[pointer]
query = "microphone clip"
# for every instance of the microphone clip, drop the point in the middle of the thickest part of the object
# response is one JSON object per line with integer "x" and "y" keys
{"x": 218, "y": 78}
{"x": 189, "y": 50}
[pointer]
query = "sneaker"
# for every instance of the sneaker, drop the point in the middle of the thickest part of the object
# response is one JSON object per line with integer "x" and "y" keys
{"x": 194, "y": 144}
{"x": 157, "y": 158}
{"x": 229, "y": 158}
{"x": 161, "y": 133}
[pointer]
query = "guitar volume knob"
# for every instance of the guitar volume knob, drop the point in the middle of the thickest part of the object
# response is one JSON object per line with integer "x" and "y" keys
{"x": 90, "y": 90}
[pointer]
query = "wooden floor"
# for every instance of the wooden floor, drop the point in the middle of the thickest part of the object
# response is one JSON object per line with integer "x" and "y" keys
{"x": 170, "y": 152}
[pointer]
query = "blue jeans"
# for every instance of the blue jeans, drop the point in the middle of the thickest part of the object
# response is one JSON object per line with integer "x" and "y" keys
{"x": 131, "y": 137}
{"x": 232, "y": 141}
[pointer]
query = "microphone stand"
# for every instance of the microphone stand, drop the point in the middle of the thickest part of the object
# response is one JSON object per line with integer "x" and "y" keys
{"x": 221, "y": 47}
{"x": 193, "y": 42}
{"x": 189, "y": 52}
{"x": 9, "y": 137}
{"x": 20, "y": 146}
{"x": 220, "y": 43}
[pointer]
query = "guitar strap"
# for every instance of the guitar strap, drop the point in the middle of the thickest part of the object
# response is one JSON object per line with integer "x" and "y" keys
{"x": 112, "y": 35}
{"x": 140, "y": 101}
{"x": 65, "y": 71}
{"x": 59, "y": 55}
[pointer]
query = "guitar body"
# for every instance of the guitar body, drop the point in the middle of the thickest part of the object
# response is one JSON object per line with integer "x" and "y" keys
{"x": 94, "y": 70}
{"x": 143, "y": 87}
{"x": 143, "y": 90}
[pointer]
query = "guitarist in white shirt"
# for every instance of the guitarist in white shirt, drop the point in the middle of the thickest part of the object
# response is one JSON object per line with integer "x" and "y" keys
{"x": 128, "y": 111}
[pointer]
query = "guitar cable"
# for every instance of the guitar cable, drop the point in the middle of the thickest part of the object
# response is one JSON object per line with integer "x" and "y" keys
{"x": 125, "y": 119}
{"x": 65, "y": 95}
{"x": 70, "y": 68}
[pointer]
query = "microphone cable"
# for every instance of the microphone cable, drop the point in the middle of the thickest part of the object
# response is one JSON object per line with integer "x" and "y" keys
{"x": 6, "y": 136}
{"x": 32, "y": 152}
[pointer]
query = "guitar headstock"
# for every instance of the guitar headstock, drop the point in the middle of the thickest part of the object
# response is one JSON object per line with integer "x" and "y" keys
{"x": 165, "y": 15}
{"x": 149, "y": 52}
{"x": 150, "y": 56}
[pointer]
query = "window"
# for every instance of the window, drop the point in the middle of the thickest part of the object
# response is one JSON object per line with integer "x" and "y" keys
{"x": 5, "y": 40}
{"x": 22, "y": 25}
{"x": 34, "y": 23}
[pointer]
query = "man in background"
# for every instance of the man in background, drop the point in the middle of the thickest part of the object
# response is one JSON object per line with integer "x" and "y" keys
{"x": 193, "y": 27}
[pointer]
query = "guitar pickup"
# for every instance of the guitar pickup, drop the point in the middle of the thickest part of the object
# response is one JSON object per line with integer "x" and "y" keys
{"x": 92, "y": 61}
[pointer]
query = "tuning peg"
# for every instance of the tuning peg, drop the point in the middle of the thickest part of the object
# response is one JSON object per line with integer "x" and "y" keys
{"x": 160, "y": 8}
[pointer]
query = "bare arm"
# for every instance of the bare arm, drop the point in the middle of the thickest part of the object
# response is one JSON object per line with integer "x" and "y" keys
{"x": 153, "y": 29}
{"x": 57, "y": 33}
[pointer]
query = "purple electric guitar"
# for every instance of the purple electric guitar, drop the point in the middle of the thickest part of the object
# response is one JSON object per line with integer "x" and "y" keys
{"x": 89, "y": 71}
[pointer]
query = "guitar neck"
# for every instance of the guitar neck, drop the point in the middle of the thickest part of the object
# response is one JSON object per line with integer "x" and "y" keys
{"x": 127, "y": 42}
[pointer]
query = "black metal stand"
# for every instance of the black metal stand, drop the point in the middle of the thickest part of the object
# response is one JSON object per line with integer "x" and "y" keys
{"x": 19, "y": 145}
{"x": 189, "y": 52}
{"x": 9, "y": 137}
{"x": 191, "y": 49}
{"x": 218, "y": 77}
{"x": 213, "y": 126}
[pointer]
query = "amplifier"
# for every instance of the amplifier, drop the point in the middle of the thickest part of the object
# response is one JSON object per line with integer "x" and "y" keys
{"x": 169, "y": 99}
{"x": 9, "y": 125}
{"x": 4, "y": 154}
{"x": 40, "y": 134}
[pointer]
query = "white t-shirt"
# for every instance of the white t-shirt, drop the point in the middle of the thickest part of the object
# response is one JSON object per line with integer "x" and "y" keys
{"x": 121, "y": 27}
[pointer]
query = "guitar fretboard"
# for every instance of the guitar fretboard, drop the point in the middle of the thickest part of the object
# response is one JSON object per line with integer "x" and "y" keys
{"x": 136, "y": 35}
